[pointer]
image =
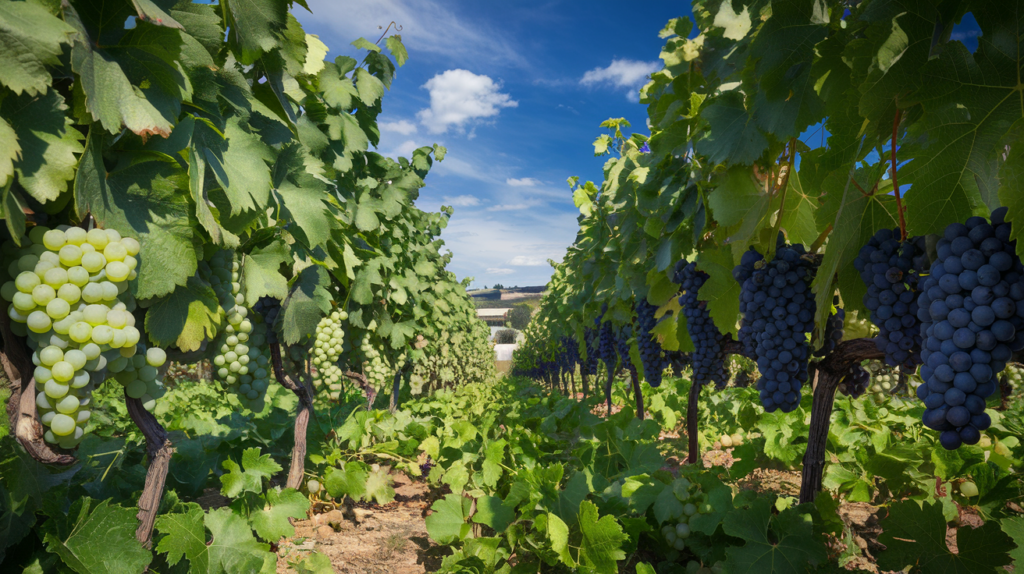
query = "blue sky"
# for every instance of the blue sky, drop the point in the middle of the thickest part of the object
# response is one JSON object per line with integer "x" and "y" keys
{"x": 516, "y": 92}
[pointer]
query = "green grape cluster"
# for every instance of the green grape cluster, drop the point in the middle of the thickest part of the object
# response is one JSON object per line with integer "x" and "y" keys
{"x": 243, "y": 359}
{"x": 327, "y": 349}
{"x": 1014, "y": 374}
{"x": 140, "y": 374}
{"x": 375, "y": 366}
{"x": 69, "y": 296}
{"x": 883, "y": 379}
{"x": 692, "y": 501}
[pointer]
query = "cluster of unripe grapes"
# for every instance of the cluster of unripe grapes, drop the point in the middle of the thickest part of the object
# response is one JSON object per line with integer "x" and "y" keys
{"x": 883, "y": 380}
{"x": 375, "y": 367}
{"x": 693, "y": 501}
{"x": 69, "y": 297}
{"x": 243, "y": 360}
{"x": 327, "y": 349}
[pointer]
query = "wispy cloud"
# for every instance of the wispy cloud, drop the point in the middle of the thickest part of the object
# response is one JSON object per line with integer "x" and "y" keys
{"x": 511, "y": 206}
{"x": 622, "y": 73}
{"x": 499, "y": 271}
{"x": 522, "y": 182}
{"x": 462, "y": 200}
{"x": 404, "y": 127}
{"x": 427, "y": 26}
{"x": 527, "y": 261}
{"x": 458, "y": 97}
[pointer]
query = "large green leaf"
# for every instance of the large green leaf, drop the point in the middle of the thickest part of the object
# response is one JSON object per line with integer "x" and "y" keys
{"x": 146, "y": 200}
{"x": 305, "y": 305}
{"x": 733, "y": 135}
{"x": 447, "y": 521}
{"x": 915, "y": 535}
{"x": 261, "y": 272}
{"x": 186, "y": 317}
{"x": 301, "y": 190}
{"x": 255, "y": 26}
{"x": 271, "y": 522}
{"x": 257, "y": 467}
{"x": 97, "y": 538}
{"x": 783, "y": 544}
{"x": 49, "y": 145}
{"x": 30, "y": 40}
{"x": 231, "y": 549}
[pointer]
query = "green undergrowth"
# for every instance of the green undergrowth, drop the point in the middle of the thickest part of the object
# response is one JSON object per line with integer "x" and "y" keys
{"x": 522, "y": 480}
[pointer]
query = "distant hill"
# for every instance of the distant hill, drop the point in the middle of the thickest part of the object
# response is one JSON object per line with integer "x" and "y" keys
{"x": 491, "y": 298}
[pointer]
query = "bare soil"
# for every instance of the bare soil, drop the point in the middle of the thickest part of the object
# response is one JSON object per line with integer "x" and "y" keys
{"x": 369, "y": 538}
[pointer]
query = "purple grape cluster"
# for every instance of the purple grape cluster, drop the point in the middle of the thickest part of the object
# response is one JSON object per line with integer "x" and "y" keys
{"x": 833, "y": 330}
{"x": 651, "y": 355}
{"x": 708, "y": 360}
{"x": 270, "y": 308}
{"x": 887, "y": 267}
{"x": 855, "y": 382}
{"x": 972, "y": 313}
{"x": 742, "y": 273}
{"x": 778, "y": 313}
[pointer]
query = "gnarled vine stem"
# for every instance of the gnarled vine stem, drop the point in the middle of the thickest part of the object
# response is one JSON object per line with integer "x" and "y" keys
{"x": 298, "y": 464}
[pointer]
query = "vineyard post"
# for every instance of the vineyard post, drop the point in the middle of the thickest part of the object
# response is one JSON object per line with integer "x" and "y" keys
{"x": 298, "y": 464}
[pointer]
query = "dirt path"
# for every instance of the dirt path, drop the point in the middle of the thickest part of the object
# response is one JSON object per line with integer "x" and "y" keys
{"x": 371, "y": 539}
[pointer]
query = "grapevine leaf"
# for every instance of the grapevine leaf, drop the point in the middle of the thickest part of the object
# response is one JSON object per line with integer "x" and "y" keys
{"x": 145, "y": 201}
{"x": 490, "y": 511}
{"x": 345, "y": 127}
{"x": 447, "y": 521}
{"x": 231, "y": 550}
{"x": 238, "y": 160}
{"x": 48, "y": 144}
{"x": 16, "y": 520}
{"x": 306, "y": 304}
{"x": 1011, "y": 181}
{"x": 254, "y": 26}
{"x": 733, "y": 136}
{"x": 257, "y": 467}
{"x": 779, "y": 544}
{"x": 261, "y": 273}
{"x": 969, "y": 101}
{"x": 645, "y": 568}
{"x": 337, "y": 88}
{"x": 397, "y": 49}
{"x": 370, "y": 89}
{"x": 492, "y": 462}
{"x": 30, "y": 40}
{"x": 798, "y": 216}
{"x": 150, "y": 12}
{"x": 740, "y": 206}
{"x": 364, "y": 44}
{"x": 378, "y": 487}
{"x": 558, "y": 534}
{"x": 315, "y": 53}
{"x": 148, "y": 55}
{"x": 601, "y": 547}
{"x": 271, "y": 522}
{"x": 93, "y": 539}
{"x": 301, "y": 194}
{"x": 10, "y": 151}
{"x": 855, "y": 217}
{"x": 1014, "y": 527}
{"x": 315, "y": 563}
{"x": 185, "y": 318}
{"x": 915, "y": 535}
{"x": 350, "y": 481}
{"x": 721, "y": 290}
{"x": 786, "y": 101}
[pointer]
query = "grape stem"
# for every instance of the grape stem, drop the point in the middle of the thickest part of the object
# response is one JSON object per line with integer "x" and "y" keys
{"x": 298, "y": 464}
{"x": 159, "y": 449}
{"x": 783, "y": 188}
{"x": 895, "y": 184}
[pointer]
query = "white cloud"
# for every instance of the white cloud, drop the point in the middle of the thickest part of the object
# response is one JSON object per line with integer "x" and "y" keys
{"x": 404, "y": 127}
{"x": 527, "y": 261}
{"x": 427, "y": 26}
{"x": 522, "y": 182}
{"x": 499, "y": 271}
{"x": 458, "y": 97}
{"x": 622, "y": 74}
{"x": 511, "y": 206}
{"x": 462, "y": 200}
{"x": 403, "y": 149}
